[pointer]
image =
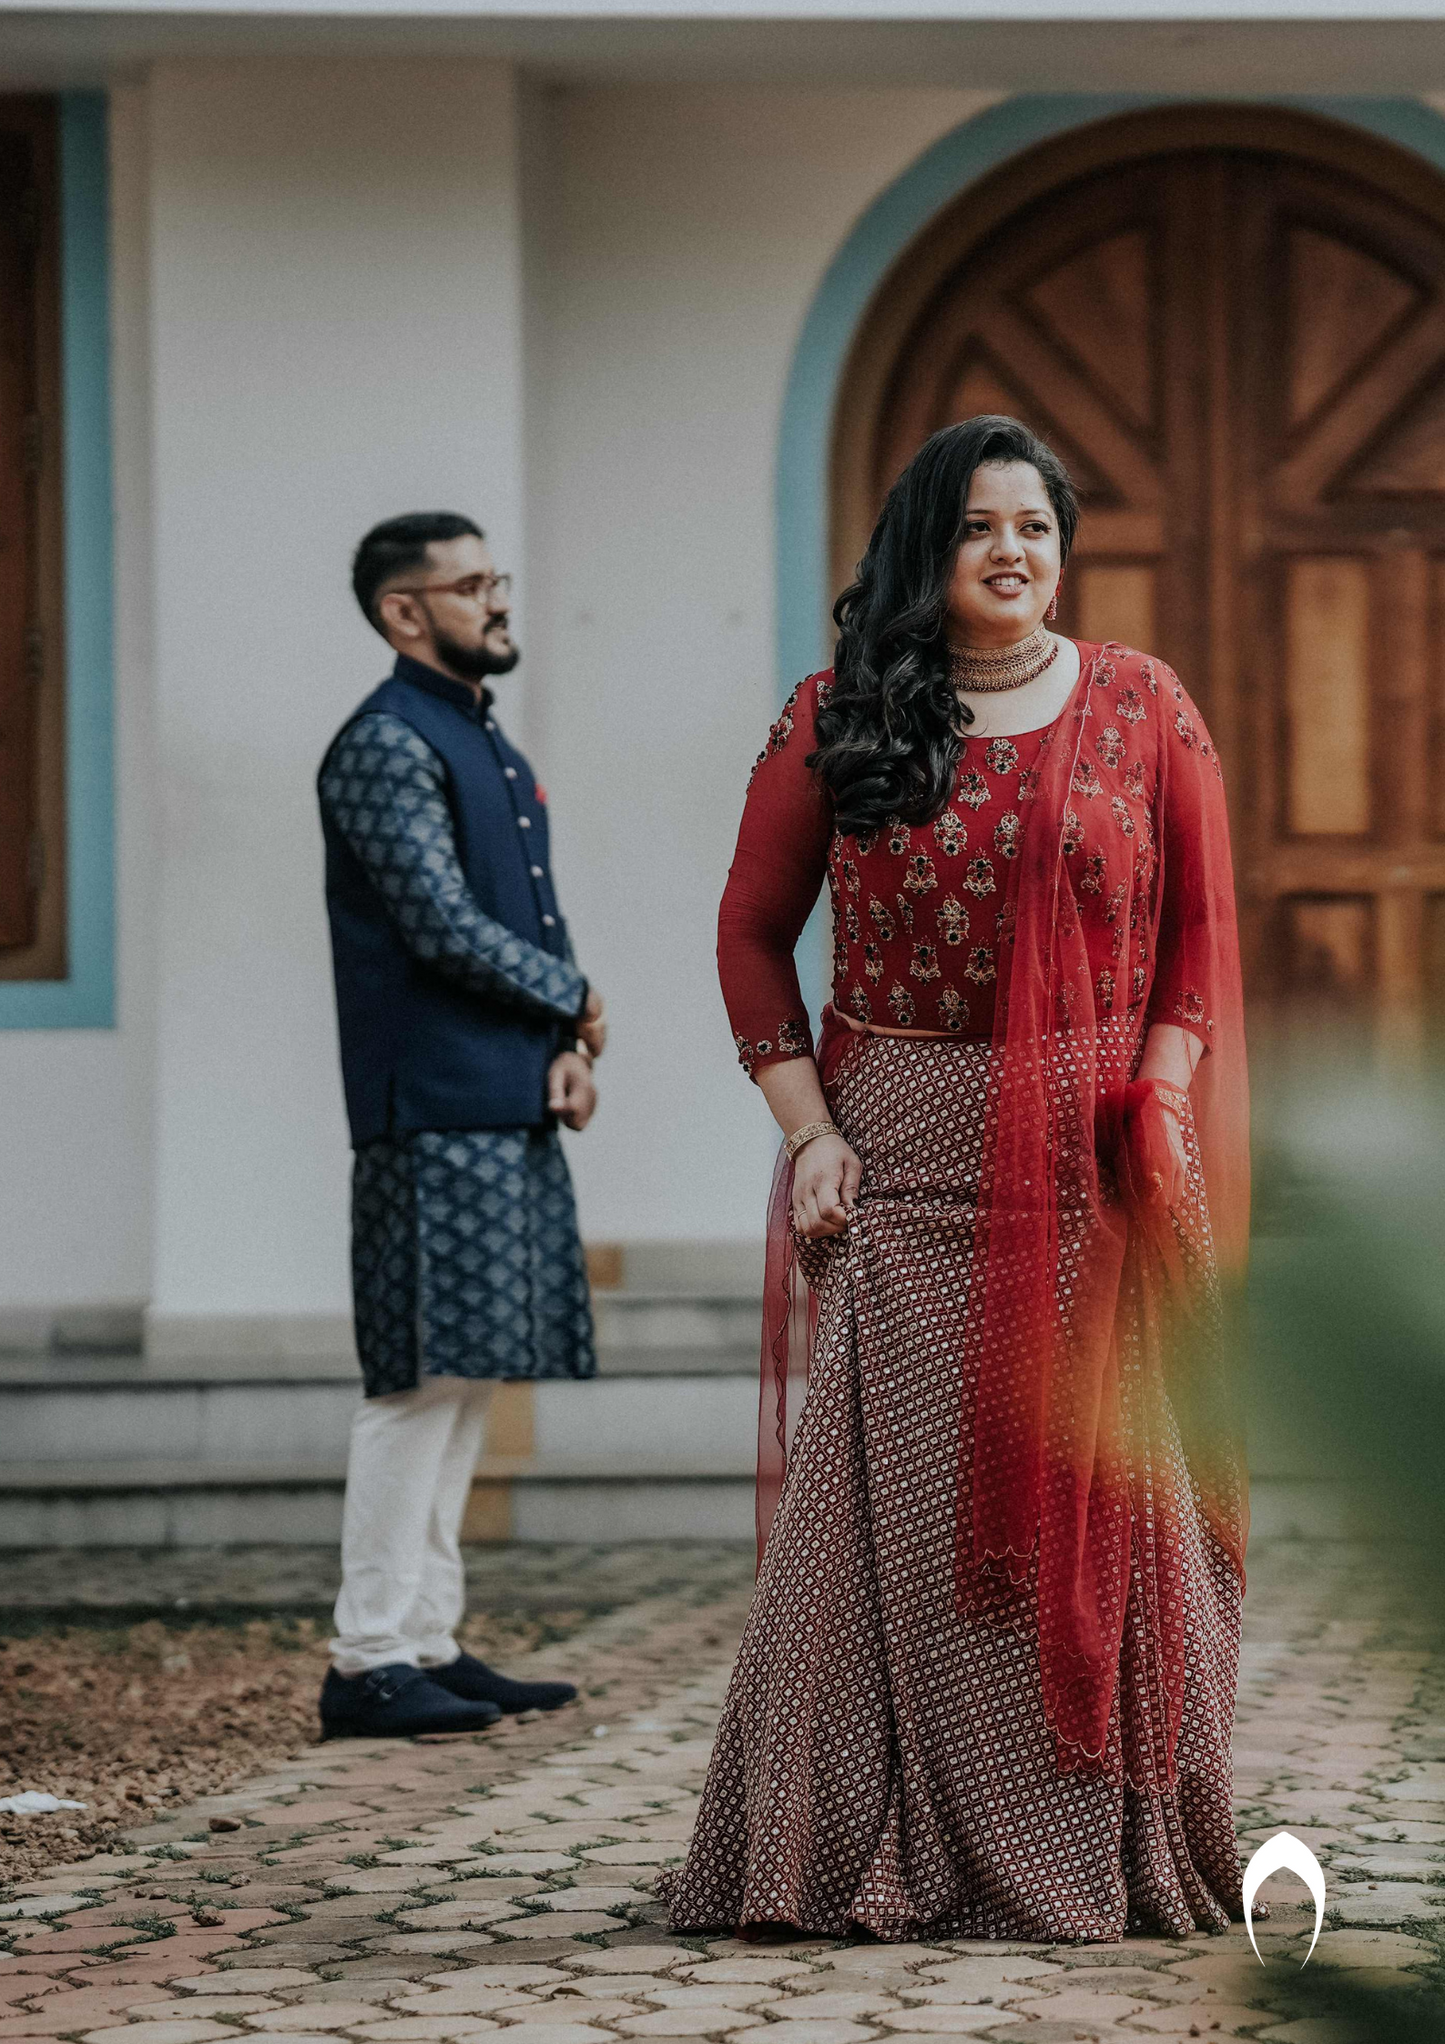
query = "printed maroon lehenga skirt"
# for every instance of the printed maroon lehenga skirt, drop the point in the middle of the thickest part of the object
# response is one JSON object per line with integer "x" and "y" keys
{"x": 883, "y": 1763}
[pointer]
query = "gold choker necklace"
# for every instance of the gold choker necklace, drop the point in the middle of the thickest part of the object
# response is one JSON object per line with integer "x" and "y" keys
{"x": 979, "y": 670}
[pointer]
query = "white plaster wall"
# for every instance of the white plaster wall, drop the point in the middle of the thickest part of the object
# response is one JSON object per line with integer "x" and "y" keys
{"x": 75, "y": 1104}
{"x": 327, "y": 277}
{"x": 335, "y": 303}
{"x": 675, "y": 240}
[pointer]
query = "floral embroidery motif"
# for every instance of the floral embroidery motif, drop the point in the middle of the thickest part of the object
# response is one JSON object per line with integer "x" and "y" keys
{"x": 1086, "y": 779}
{"x": 950, "y": 833}
{"x": 952, "y": 1008}
{"x": 920, "y": 913}
{"x": 979, "y": 878}
{"x": 745, "y": 1054}
{"x": 920, "y": 876}
{"x": 980, "y": 966}
{"x": 793, "y": 1039}
{"x": 765, "y": 1047}
{"x": 778, "y": 737}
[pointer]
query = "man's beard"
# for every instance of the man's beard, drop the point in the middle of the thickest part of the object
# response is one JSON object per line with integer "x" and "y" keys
{"x": 474, "y": 663}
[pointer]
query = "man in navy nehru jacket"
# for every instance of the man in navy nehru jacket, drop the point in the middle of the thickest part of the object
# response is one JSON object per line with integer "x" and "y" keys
{"x": 467, "y": 1034}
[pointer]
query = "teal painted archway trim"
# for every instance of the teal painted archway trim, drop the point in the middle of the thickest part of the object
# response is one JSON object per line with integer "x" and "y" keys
{"x": 85, "y": 998}
{"x": 945, "y": 169}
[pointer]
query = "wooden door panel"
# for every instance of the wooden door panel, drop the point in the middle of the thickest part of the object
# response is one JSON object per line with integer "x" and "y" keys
{"x": 17, "y": 546}
{"x": 1343, "y": 307}
{"x": 1329, "y": 949}
{"x": 1096, "y": 309}
{"x": 1117, "y": 601}
{"x": 1239, "y": 349}
{"x": 1327, "y": 697}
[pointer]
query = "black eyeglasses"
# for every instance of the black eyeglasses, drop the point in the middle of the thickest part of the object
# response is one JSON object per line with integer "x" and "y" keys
{"x": 471, "y": 588}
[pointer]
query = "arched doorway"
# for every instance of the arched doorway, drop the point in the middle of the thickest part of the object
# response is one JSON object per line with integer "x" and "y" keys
{"x": 1232, "y": 323}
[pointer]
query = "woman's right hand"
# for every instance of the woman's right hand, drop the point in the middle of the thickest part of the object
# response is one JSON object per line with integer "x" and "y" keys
{"x": 826, "y": 1177}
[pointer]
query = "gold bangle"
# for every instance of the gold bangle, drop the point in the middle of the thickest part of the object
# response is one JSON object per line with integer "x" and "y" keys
{"x": 793, "y": 1143}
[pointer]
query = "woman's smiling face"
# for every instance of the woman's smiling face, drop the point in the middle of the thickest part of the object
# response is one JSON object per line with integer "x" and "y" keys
{"x": 1008, "y": 562}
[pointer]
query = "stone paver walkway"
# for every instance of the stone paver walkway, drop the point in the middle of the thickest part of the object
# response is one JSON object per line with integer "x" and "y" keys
{"x": 442, "y": 1889}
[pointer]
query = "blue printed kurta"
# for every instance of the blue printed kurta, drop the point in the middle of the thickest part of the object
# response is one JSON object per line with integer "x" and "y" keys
{"x": 466, "y": 1260}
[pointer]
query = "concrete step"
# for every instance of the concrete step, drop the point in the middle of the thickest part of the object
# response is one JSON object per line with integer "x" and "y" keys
{"x": 153, "y": 1416}
{"x": 175, "y": 1503}
{"x": 108, "y": 1449}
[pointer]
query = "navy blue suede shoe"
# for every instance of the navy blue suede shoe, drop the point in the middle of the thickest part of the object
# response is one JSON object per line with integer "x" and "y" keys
{"x": 397, "y": 1702}
{"x": 473, "y": 1679}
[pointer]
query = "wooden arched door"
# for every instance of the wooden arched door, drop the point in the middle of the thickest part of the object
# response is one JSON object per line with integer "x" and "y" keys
{"x": 1232, "y": 325}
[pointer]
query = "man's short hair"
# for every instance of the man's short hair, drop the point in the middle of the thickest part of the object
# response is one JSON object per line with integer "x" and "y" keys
{"x": 398, "y": 546}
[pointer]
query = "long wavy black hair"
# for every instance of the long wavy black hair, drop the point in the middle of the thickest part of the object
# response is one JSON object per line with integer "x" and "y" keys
{"x": 889, "y": 735}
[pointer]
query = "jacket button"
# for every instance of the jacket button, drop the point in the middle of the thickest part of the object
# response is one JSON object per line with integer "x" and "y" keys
{"x": 524, "y": 823}
{"x": 535, "y": 871}
{"x": 510, "y": 772}
{"x": 549, "y": 922}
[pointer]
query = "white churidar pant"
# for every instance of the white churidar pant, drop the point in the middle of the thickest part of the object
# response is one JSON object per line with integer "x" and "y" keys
{"x": 408, "y": 1474}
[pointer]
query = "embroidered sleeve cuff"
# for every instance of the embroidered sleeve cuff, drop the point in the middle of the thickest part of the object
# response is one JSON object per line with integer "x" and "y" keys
{"x": 1184, "y": 1008}
{"x": 794, "y": 1039}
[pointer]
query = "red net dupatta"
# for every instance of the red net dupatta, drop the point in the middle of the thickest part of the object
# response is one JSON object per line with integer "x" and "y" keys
{"x": 1081, "y": 1348}
{"x": 1078, "y": 1342}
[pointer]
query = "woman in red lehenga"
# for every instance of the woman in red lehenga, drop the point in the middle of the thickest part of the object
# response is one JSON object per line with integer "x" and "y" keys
{"x": 987, "y": 1686}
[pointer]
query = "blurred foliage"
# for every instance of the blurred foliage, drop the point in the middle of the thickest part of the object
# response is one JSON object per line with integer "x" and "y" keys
{"x": 1345, "y": 1335}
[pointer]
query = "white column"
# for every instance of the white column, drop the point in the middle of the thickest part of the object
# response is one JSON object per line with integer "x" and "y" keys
{"x": 335, "y": 320}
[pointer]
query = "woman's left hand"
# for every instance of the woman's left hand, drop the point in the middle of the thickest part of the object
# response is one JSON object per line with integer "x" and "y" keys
{"x": 1179, "y": 1155}
{"x": 571, "y": 1093}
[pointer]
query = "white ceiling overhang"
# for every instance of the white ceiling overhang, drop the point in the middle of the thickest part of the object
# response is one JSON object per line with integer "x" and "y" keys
{"x": 1230, "y": 47}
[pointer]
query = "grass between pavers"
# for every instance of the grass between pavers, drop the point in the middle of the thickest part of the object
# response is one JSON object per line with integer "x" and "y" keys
{"x": 138, "y": 1720}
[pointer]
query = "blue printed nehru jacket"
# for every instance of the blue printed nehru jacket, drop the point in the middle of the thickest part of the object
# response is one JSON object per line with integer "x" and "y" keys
{"x": 466, "y": 1260}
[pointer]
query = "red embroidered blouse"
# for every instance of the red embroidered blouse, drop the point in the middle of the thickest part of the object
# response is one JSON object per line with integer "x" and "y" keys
{"x": 917, "y": 909}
